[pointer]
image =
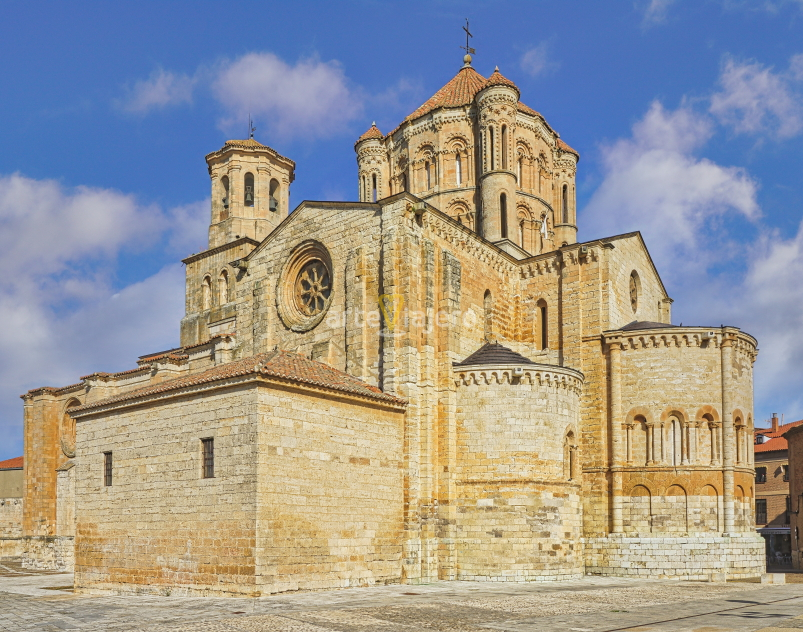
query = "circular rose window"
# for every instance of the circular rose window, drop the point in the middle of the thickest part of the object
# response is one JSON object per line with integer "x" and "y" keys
{"x": 305, "y": 286}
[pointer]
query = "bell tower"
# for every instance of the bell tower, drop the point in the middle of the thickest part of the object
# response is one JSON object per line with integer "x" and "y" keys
{"x": 250, "y": 190}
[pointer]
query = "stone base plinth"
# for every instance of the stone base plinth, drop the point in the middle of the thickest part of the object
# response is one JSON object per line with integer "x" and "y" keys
{"x": 52, "y": 553}
{"x": 685, "y": 557}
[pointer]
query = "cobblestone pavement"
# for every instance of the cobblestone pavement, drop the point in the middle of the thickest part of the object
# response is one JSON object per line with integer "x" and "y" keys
{"x": 43, "y": 602}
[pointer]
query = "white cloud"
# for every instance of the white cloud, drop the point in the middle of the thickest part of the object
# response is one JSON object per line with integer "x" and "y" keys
{"x": 161, "y": 89}
{"x": 309, "y": 99}
{"x": 62, "y": 315}
{"x": 755, "y": 100}
{"x": 653, "y": 182}
{"x": 536, "y": 61}
{"x": 655, "y": 12}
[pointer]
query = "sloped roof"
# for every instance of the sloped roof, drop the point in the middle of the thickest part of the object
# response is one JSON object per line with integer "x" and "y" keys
{"x": 645, "y": 324}
{"x": 565, "y": 147}
{"x": 459, "y": 91}
{"x": 12, "y": 464}
{"x": 279, "y": 364}
{"x": 777, "y": 442}
{"x": 497, "y": 79}
{"x": 494, "y": 353}
{"x": 373, "y": 132}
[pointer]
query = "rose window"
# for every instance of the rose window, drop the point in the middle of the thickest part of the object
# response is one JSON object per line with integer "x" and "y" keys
{"x": 313, "y": 288}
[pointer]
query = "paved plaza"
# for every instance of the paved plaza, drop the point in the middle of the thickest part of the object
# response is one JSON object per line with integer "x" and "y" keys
{"x": 44, "y": 602}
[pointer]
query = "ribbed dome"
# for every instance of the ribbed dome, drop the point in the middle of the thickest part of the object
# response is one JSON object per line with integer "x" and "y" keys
{"x": 497, "y": 79}
{"x": 460, "y": 91}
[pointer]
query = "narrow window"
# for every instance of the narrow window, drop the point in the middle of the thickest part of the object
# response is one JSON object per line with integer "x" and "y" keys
{"x": 544, "y": 329}
{"x": 521, "y": 233}
{"x": 373, "y": 188}
{"x": 458, "y": 170}
{"x": 249, "y": 189}
{"x": 223, "y": 287}
{"x": 565, "y": 204}
{"x": 504, "y": 147}
{"x": 429, "y": 178}
{"x": 206, "y": 293}
{"x": 488, "y": 309}
{"x": 491, "y": 157}
{"x": 107, "y": 469}
{"x": 503, "y": 214}
{"x": 761, "y": 475}
{"x": 761, "y": 511}
{"x": 273, "y": 203}
{"x": 225, "y": 182}
{"x": 208, "y": 447}
{"x": 785, "y": 472}
{"x": 521, "y": 184}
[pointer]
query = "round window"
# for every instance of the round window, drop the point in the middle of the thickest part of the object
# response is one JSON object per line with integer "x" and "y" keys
{"x": 305, "y": 287}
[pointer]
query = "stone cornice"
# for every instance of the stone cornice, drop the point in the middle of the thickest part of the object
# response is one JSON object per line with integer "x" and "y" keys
{"x": 532, "y": 375}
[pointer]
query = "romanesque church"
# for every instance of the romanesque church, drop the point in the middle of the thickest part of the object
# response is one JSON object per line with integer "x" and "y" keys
{"x": 433, "y": 382}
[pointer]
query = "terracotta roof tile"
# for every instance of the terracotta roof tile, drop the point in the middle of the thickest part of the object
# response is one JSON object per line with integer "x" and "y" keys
{"x": 12, "y": 464}
{"x": 277, "y": 364}
{"x": 373, "y": 132}
{"x": 497, "y": 79}
{"x": 776, "y": 442}
{"x": 459, "y": 91}
{"x": 562, "y": 145}
{"x": 527, "y": 109}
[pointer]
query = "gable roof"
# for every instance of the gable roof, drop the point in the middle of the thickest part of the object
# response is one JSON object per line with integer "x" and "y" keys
{"x": 777, "y": 442}
{"x": 12, "y": 464}
{"x": 277, "y": 364}
{"x": 493, "y": 353}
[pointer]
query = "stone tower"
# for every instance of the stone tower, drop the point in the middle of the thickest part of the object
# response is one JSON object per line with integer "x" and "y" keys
{"x": 373, "y": 166}
{"x": 250, "y": 191}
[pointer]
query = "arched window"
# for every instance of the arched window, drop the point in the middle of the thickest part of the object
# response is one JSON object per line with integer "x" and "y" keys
{"x": 428, "y": 175}
{"x": 488, "y": 313}
{"x": 225, "y": 182}
{"x": 249, "y": 189}
{"x": 274, "y": 195}
{"x": 521, "y": 233}
{"x": 503, "y": 214}
{"x": 570, "y": 456}
{"x": 458, "y": 170}
{"x": 504, "y": 147}
{"x": 223, "y": 288}
{"x": 491, "y": 157}
{"x": 543, "y": 317}
{"x": 373, "y": 188}
{"x": 206, "y": 293}
{"x": 519, "y": 169}
{"x": 565, "y": 204}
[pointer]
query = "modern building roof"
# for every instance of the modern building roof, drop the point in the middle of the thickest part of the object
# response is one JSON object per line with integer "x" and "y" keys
{"x": 12, "y": 464}
{"x": 775, "y": 441}
{"x": 277, "y": 364}
{"x": 493, "y": 353}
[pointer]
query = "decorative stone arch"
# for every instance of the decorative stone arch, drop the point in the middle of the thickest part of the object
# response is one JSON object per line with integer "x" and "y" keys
{"x": 637, "y": 509}
{"x": 224, "y": 281}
{"x": 457, "y": 142}
{"x": 206, "y": 292}
{"x": 524, "y": 226}
{"x": 67, "y": 428}
{"x": 713, "y": 414}
{"x": 704, "y": 509}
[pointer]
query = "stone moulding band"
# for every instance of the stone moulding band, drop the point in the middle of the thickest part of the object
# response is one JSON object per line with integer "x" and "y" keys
{"x": 532, "y": 374}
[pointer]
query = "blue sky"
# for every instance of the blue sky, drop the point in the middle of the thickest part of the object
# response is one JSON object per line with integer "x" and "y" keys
{"x": 688, "y": 117}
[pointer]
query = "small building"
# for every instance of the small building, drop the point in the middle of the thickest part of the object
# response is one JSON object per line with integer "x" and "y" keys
{"x": 794, "y": 439}
{"x": 772, "y": 490}
{"x": 12, "y": 480}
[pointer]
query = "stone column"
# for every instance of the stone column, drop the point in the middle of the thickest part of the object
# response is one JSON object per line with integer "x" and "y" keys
{"x": 692, "y": 443}
{"x": 615, "y": 351}
{"x": 629, "y": 438}
{"x": 650, "y": 444}
{"x": 726, "y": 347}
{"x": 684, "y": 442}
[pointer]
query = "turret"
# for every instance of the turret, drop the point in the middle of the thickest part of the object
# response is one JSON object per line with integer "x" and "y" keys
{"x": 497, "y": 104}
{"x": 373, "y": 167}
{"x": 250, "y": 191}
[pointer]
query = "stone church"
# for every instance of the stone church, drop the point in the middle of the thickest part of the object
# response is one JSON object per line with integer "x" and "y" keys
{"x": 434, "y": 382}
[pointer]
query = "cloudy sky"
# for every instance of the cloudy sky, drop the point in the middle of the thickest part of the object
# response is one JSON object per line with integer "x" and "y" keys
{"x": 688, "y": 116}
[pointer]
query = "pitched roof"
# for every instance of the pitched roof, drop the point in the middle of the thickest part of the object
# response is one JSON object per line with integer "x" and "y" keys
{"x": 459, "y": 91}
{"x": 645, "y": 324}
{"x": 497, "y": 79}
{"x": 777, "y": 442}
{"x": 12, "y": 464}
{"x": 278, "y": 364}
{"x": 565, "y": 147}
{"x": 493, "y": 353}
{"x": 373, "y": 132}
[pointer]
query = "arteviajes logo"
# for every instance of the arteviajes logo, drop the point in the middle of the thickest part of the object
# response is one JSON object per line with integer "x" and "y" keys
{"x": 391, "y": 306}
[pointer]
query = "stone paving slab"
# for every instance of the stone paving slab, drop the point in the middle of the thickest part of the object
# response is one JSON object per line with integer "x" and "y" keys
{"x": 592, "y": 604}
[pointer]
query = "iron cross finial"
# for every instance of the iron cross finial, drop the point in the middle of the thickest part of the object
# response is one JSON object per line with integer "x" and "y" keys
{"x": 251, "y": 127}
{"x": 468, "y": 48}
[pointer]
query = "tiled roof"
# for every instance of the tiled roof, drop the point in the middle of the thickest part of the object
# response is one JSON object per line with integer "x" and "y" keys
{"x": 494, "y": 353}
{"x": 562, "y": 145}
{"x": 277, "y": 364}
{"x": 373, "y": 132}
{"x": 12, "y": 464}
{"x": 248, "y": 143}
{"x": 460, "y": 90}
{"x": 497, "y": 79}
{"x": 526, "y": 109}
{"x": 644, "y": 324}
{"x": 776, "y": 442}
